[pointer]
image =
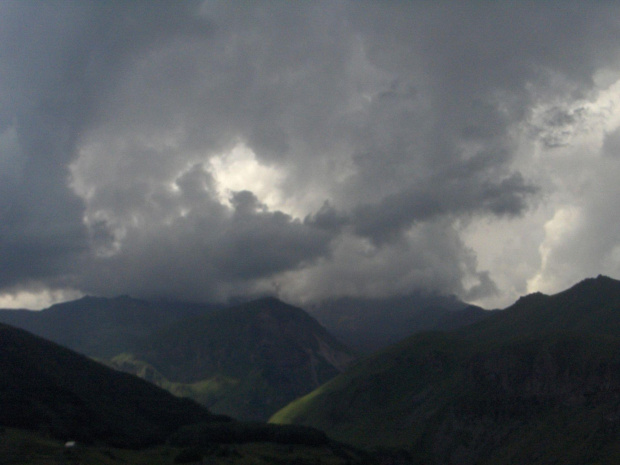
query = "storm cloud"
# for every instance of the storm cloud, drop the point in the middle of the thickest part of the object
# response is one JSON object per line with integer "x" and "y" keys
{"x": 210, "y": 150}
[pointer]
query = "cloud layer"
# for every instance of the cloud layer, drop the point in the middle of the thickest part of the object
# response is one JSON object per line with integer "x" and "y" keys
{"x": 209, "y": 150}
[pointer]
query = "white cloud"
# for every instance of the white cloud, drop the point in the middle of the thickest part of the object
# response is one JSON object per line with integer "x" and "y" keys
{"x": 558, "y": 231}
{"x": 239, "y": 170}
{"x": 37, "y": 300}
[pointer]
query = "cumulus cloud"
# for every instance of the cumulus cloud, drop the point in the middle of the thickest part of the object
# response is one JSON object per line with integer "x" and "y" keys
{"x": 203, "y": 150}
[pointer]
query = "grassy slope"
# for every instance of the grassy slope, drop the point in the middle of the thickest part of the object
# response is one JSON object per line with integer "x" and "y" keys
{"x": 214, "y": 392}
{"x": 537, "y": 381}
{"x": 380, "y": 387}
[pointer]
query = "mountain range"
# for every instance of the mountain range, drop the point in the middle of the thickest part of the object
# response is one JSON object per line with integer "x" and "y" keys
{"x": 537, "y": 383}
{"x": 247, "y": 360}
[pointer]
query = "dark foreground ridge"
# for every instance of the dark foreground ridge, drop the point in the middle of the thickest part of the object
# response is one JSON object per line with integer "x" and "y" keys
{"x": 50, "y": 389}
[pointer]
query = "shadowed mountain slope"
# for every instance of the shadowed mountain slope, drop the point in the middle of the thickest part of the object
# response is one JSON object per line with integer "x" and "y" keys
{"x": 53, "y": 390}
{"x": 536, "y": 383}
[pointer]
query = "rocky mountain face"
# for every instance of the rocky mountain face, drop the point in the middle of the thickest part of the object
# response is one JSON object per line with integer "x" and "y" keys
{"x": 246, "y": 361}
{"x": 537, "y": 383}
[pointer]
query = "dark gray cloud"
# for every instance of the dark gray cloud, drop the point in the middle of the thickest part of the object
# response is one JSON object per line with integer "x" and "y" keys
{"x": 58, "y": 59}
{"x": 611, "y": 144}
{"x": 365, "y": 129}
{"x": 186, "y": 244}
{"x": 439, "y": 196}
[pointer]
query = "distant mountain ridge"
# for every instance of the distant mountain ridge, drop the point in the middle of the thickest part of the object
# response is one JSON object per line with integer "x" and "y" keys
{"x": 536, "y": 383}
{"x": 371, "y": 324}
{"x": 101, "y": 327}
{"x": 246, "y": 366}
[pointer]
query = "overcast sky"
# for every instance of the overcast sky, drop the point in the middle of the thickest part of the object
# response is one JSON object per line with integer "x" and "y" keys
{"x": 209, "y": 150}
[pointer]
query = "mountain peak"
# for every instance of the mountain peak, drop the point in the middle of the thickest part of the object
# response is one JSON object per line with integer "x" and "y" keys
{"x": 600, "y": 280}
{"x": 272, "y": 307}
{"x": 600, "y": 288}
{"x": 589, "y": 307}
{"x": 256, "y": 357}
{"x": 533, "y": 297}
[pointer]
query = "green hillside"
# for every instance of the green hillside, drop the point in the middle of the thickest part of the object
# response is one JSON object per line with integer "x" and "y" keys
{"x": 247, "y": 361}
{"x": 536, "y": 383}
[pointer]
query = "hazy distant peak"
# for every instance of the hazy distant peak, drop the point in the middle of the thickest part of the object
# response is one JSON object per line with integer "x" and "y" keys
{"x": 533, "y": 297}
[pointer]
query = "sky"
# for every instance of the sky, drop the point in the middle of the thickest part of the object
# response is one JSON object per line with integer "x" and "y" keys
{"x": 216, "y": 150}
